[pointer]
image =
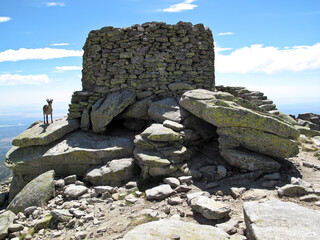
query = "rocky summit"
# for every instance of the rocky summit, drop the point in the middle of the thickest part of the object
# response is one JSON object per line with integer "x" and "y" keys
{"x": 152, "y": 149}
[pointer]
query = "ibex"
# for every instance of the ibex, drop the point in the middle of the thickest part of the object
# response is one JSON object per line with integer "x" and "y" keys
{"x": 47, "y": 110}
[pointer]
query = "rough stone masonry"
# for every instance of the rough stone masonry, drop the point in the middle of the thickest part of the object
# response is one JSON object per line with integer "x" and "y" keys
{"x": 152, "y": 59}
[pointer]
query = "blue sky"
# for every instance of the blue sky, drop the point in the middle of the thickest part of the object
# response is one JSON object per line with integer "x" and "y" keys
{"x": 267, "y": 45}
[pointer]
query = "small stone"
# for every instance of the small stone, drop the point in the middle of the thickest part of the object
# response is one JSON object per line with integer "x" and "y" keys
{"x": 237, "y": 192}
{"x": 191, "y": 196}
{"x": 71, "y": 223}
{"x": 102, "y": 230}
{"x": 175, "y": 201}
{"x": 115, "y": 196}
{"x": 70, "y": 179}
{"x": 159, "y": 193}
{"x": 183, "y": 188}
{"x": 221, "y": 171}
{"x": 81, "y": 235}
{"x": 219, "y": 193}
{"x": 291, "y": 190}
{"x": 173, "y": 182}
{"x": 174, "y": 237}
{"x": 131, "y": 185}
{"x": 309, "y": 198}
{"x": 103, "y": 189}
{"x": 185, "y": 179}
{"x": 75, "y": 191}
{"x": 59, "y": 183}
{"x": 131, "y": 198}
{"x": 166, "y": 209}
{"x": 306, "y": 164}
{"x": 88, "y": 217}
{"x": 15, "y": 227}
{"x": 79, "y": 183}
{"x": 173, "y": 125}
{"x": 138, "y": 193}
{"x": 106, "y": 195}
{"x": 79, "y": 214}
{"x": 55, "y": 234}
{"x": 29, "y": 210}
{"x": 61, "y": 215}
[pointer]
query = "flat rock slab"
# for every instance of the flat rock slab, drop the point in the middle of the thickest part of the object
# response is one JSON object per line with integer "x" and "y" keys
{"x": 174, "y": 229}
{"x": 43, "y": 134}
{"x": 74, "y": 154}
{"x": 105, "y": 109}
{"x": 228, "y": 111}
{"x": 279, "y": 220}
{"x": 35, "y": 193}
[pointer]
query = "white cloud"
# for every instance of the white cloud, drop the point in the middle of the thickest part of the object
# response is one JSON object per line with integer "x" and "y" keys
{"x": 17, "y": 79}
{"x": 4, "y": 19}
{"x": 55, "y": 4}
{"x": 225, "y": 33}
{"x": 68, "y": 68}
{"x": 258, "y": 58}
{"x": 60, "y": 44}
{"x": 37, "y": 53}
{"x": 179, "y": 7}
{"x": 218, "y": 49}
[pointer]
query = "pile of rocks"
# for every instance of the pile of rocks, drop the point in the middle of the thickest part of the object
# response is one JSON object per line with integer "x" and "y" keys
{"x": 256, "y": 97}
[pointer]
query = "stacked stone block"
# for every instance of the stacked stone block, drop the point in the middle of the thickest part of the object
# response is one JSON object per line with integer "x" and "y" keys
{"x": 152, "y": 59}
{"x": 256, "y": 97}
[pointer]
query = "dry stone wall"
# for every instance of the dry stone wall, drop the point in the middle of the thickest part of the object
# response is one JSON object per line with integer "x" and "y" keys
{"x": 152, "y": 59}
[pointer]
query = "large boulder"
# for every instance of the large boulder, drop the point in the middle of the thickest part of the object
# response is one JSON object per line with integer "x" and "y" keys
{"x": 105, "y": 109}
{"x": 35, "y": 193}
{"x": 228, "y": 111}
{"x": 42, "y": 134}
{"x": 167, "y": 229}
{"x": 281, "y": 220}
{"x": 6, "y": 219}
{"x": 114, "y": 173}
{"x": 167, "y": 109}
